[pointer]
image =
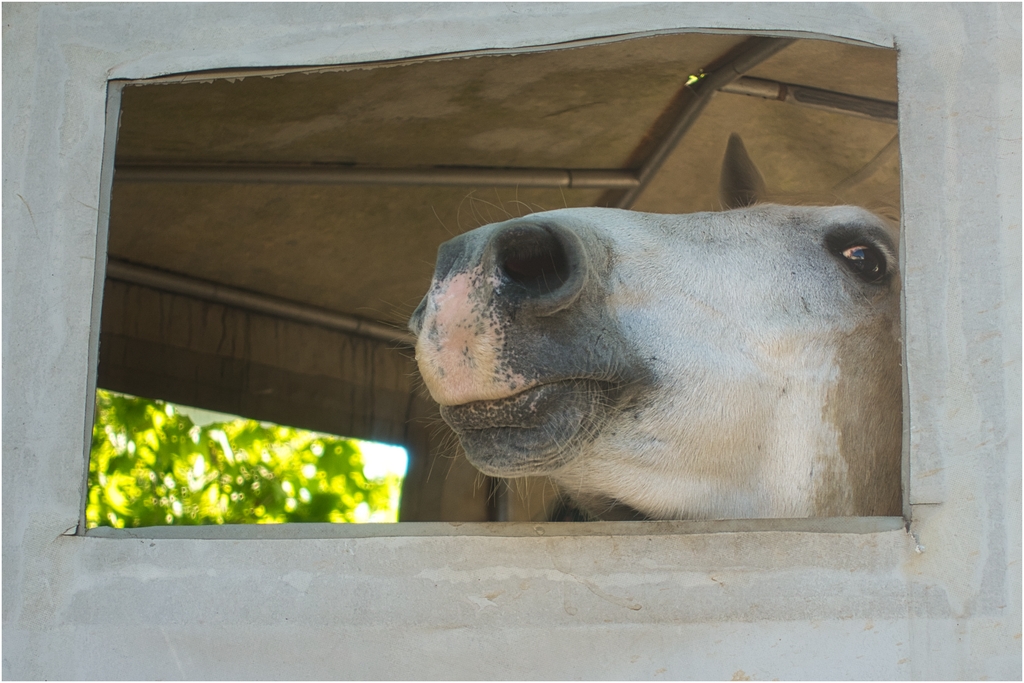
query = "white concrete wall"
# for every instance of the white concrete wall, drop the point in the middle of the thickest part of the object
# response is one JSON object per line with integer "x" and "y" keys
{"x": 621, "y": 601}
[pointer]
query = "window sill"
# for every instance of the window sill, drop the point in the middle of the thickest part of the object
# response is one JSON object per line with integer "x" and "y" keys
{"x": 238, "y": 532}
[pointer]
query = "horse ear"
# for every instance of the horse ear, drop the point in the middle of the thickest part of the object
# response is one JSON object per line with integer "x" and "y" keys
{"x": 741, "y": 183}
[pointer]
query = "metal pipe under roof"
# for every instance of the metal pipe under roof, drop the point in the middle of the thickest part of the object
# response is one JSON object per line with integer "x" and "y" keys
{"x": 816, "y": 98}
{"x": 176, "y": 283}
{"x": 323, "y": 174}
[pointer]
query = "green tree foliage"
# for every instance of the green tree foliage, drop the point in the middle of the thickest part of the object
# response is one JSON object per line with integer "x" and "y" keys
{"x": 150, "y": 465}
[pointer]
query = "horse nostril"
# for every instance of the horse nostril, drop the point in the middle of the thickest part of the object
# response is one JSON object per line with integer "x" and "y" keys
{"x": 534, "y": 259}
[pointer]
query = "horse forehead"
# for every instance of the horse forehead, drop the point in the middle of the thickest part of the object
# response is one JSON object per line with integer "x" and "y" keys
{"x": 761, "y": 228}
{"x": 620, "y": 221}
{"x": 768, "y": 229}
{"x": 761, "y": 231}
{"x": 773, "y": 259}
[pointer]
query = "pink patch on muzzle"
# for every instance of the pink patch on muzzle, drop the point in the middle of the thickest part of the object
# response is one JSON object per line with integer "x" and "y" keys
{"x": 460, "y": 343}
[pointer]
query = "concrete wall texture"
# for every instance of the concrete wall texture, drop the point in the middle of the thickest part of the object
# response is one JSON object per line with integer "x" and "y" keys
{"x": 941, "y": 599}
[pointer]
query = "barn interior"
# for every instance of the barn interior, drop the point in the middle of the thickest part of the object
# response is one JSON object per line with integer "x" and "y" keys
{"x": 271, "y": 231}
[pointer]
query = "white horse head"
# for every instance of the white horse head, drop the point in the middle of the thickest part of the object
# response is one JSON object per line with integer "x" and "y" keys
{"x": 744, "y": 363}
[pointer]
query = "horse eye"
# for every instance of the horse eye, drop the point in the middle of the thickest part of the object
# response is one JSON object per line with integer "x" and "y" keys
{"x": 865, "y": 261}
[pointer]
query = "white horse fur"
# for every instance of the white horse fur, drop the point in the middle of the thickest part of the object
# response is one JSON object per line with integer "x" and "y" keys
{"x": 743, "y": 363}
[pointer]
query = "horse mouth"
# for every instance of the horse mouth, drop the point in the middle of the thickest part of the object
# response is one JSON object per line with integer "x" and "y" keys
{"x": 536, "y": 431}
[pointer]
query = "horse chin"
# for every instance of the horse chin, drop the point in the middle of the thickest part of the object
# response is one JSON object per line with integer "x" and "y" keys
{"x": 534, "y": 432}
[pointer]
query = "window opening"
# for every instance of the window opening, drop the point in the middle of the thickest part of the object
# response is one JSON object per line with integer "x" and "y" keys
{"x": 269, "y": 237}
